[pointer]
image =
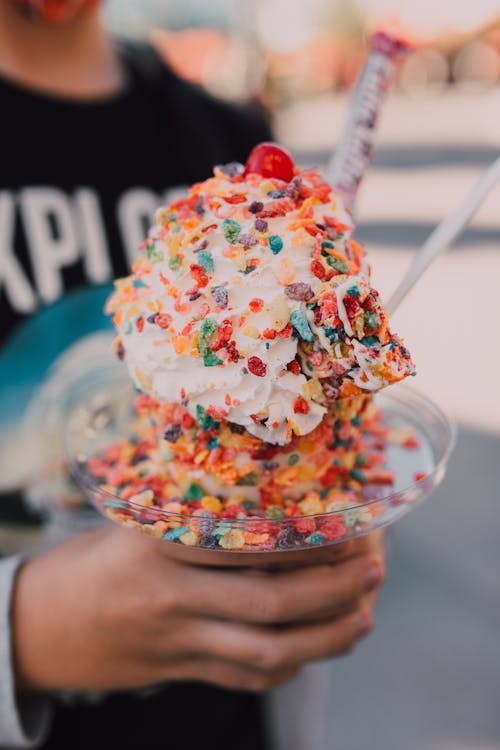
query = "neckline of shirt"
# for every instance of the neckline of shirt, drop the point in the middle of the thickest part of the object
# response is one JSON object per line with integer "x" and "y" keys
{"x": 78, "y": 105}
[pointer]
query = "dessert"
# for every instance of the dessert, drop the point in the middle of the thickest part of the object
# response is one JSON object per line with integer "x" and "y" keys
{"x": 251, "y": 328}
{"x": 251, "y": 302}
{"x": 267, "y": 509}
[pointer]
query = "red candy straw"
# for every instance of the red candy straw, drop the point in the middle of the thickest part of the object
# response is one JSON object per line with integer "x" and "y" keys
{"x": 354, "y": 152}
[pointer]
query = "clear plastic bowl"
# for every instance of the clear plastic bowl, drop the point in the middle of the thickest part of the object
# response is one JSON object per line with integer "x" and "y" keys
{"x": 103, "y": 413}
{"x": 50, "y": 488}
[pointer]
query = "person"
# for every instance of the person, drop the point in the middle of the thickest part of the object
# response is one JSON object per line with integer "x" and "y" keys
{"x": 104, "y": 637}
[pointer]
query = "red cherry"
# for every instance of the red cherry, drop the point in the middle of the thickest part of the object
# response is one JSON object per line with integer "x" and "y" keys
{"x": 271, "y": 160}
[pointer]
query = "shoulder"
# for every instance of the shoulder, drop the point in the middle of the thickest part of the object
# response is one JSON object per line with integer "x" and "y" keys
{"x": 222, "y": 130}
{"x": 234, "y": 128}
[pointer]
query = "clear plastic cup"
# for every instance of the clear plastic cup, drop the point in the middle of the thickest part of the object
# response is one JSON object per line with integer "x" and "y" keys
{"x": 103, "y": 413}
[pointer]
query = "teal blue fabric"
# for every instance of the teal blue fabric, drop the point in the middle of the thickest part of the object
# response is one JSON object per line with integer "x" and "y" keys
{"x": 38, "y": 341}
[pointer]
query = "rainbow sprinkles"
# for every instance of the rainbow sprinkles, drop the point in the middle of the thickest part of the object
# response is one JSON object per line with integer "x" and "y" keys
{"x": 251, "y": 328}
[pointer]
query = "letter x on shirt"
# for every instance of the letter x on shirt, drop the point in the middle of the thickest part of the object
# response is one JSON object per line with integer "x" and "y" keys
{"x": 79, "y": 185}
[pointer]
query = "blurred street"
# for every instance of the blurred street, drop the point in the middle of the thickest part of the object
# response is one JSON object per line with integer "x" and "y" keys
{"x": 429, "y": 677}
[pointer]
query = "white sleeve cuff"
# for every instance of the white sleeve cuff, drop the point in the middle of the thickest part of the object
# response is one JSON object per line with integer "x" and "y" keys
{"x": 24, "y": 719}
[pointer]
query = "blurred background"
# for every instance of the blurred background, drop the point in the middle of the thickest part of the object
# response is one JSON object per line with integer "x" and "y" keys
{"x": 281, "y": 51}
{"x": 429, "y": 678}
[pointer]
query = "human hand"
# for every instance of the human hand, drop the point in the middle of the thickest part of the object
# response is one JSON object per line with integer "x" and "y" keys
{"x": 110, "y": 610}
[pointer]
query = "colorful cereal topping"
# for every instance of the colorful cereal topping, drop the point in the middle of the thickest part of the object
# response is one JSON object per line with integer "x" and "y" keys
{"x": 251, "y": 328}
{"x": 211, "y": 484}
{"x": 252, "y": 270}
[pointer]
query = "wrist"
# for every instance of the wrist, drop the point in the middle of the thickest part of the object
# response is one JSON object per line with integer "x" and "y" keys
{"x": 25, "y": 637}
{"x": 43, "y": 615}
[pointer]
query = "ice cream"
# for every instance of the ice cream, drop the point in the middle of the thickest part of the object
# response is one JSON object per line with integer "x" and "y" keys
{"x": 251, "y": 329}
{"x": 250, "y": 305}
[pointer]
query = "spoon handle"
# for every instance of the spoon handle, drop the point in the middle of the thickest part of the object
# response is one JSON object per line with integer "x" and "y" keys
{"x": 445, "y": 233}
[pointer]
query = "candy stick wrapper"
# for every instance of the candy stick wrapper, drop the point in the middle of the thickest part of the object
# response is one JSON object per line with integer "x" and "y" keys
{"x": 355, "y": 149}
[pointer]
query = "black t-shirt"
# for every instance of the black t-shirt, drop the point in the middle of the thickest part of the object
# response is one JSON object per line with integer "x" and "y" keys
{"x": 79, "y": 186}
